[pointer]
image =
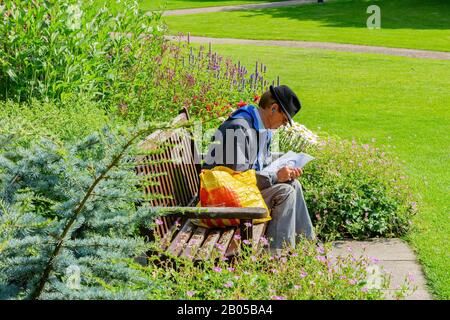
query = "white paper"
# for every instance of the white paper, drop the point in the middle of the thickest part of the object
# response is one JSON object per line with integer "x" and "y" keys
{"x": 290, "y": 159}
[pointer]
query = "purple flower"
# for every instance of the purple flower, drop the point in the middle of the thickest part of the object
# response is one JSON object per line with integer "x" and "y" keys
{"x": 342, "y": 277}
{"x": 230, "y": 269}
{"x": 237, "y": 237}
{"x": 295, "y": 254}
{"x": 248, "y": 224}
{"x": 321, "y": 259}
{"x": 246, "y": 242}
{"x": 274, "y": 270}
{"x": 253, "y": 258}
{"x": 320, "y": 250}
{"x": 303, "y": 274}
{"x": 229, "y": 284}
{"x": 217, "y": 269}
{"x": 158, "y": 221}
{"x": 278, "y": 298}
{"x": 264, "y": 241}
{"x": 220, "y": 247}
{"x": 352, "y": 281}
{"x": 364, "y": 289}
{"x": 374, "y": 260}
{"x": 190, "y": 293}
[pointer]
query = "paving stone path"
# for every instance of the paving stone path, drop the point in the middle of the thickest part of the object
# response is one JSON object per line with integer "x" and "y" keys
{"x": 324, "y": 45}
{"x": 394, "y": 257}
{"x": 237, "y": 7}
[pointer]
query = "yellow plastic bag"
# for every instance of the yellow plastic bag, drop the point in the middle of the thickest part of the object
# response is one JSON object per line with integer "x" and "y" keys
{"x": 223, "y": 187}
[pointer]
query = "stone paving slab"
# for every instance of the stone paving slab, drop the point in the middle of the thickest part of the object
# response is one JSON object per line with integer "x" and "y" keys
{"x": 391, "y": 256}
{"x": 237, "y": 7}
{"x": 411, "y": 53}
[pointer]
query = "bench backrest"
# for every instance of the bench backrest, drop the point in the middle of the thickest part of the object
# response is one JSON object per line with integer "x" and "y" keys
{"x": 178, "y": 174}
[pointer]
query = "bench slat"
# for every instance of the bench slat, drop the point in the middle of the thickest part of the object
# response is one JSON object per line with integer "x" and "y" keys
{"x": 225, "y": 240}
{"x": 167, "y": 237}
{"x": 204, "y": 253}
{"x": 217, "y": 212}
{"x": 194, "y": 243}
{"x": 235, "y": 246}
{"x": 181, "y": 238}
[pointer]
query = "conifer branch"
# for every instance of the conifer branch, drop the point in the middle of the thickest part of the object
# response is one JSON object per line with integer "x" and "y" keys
{"x": 115, "y": 162}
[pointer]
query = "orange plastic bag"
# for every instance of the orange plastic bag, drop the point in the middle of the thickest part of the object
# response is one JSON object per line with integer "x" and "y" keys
{"x": 223, "y": 187}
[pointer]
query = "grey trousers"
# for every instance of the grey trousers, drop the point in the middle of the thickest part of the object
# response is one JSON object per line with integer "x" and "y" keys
{"x": 289, "y": 214}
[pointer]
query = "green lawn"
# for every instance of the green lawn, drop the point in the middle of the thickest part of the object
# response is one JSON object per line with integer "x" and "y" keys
{"x": 404, "y": 23}
{"x": 403, "y": 103}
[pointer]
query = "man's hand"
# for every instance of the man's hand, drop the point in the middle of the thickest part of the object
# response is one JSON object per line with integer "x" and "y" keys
{"x": 287, "y": 174}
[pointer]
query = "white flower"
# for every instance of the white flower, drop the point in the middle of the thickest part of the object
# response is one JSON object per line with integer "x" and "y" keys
{"x": 74, "y": 14}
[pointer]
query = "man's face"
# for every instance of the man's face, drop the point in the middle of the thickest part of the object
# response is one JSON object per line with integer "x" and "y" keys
{"x": 279, "y": 118}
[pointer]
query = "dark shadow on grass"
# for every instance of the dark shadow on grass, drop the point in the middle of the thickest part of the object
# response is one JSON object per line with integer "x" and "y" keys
{"x": 395, "y": 14}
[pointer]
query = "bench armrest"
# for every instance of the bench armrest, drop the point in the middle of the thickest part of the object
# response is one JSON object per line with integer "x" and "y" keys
{"x": 217, "y": 212}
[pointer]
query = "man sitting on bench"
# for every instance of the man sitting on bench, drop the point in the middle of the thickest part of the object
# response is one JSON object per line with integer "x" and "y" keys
{"x": 242, "y": 142}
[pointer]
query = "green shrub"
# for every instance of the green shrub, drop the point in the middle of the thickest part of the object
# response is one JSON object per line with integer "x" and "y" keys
{"x": 51, "y": 49}
{"x": 68, "y": 120}
{"x": 356, "y": 191}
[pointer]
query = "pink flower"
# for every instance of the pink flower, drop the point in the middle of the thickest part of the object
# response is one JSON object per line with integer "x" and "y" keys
{"x": 264, "y": 241}
{"x": 229, "y": 284}
{"x": 352, "y": 281}
{"x": 295, "y": 254}
{"x": 320, "y": 250}
{"x": 220, "y": 247}
{"x": 237, "y": 237}
{"x": 364, "y": 289}
{"x": 190, "y": 293}
{"x": 253, "y": 258}
{"x": 217, "y": 269}
{"x": 278, "y": 298}
{"x": 303, "y": 274}
{"x": 296, "y": 287}
{"x": 246, "y": 242}
{"x": 248, "y": 224}
{"x": 274, "y": 270}
{"x": 230, "y": 269}
{"x": 374, "y": 260}
{"x": 158, "y": 221}
{"x": 321, "y": 259}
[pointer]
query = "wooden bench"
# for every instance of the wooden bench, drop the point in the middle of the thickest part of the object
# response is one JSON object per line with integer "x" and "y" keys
{"x": 179, "y": 183}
